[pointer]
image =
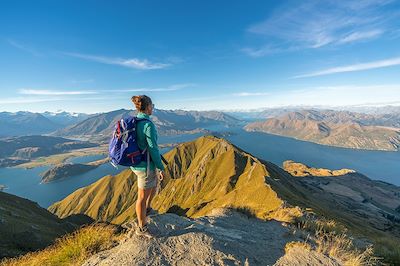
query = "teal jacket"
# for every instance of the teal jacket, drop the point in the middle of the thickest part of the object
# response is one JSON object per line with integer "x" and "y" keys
{"x": 146, "y": 135}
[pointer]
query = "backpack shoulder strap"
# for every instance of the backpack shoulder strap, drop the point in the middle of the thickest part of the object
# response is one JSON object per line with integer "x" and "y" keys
{"x": 142, "y": 119}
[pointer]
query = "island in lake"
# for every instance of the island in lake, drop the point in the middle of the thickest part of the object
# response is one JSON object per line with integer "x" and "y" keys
{"x": 65, "y": 170}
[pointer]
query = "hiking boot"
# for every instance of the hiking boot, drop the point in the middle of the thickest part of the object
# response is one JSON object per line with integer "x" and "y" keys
{"x": 150, "y": 211}
{"x": 130, "y": 233}
{"x": 143, "y": 231}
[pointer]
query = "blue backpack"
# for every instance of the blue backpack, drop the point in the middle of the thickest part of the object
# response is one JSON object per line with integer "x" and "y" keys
{"x": 123, "y": 148}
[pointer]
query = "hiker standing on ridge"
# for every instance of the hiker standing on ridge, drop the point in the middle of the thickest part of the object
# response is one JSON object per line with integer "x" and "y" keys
{"x": 146, "y": 171}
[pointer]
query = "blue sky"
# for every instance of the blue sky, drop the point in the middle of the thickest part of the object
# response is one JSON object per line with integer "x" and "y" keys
{"x": 92, "y": 56}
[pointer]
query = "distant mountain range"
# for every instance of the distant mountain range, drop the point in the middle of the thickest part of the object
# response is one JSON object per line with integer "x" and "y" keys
{"x": 65, "y": 118}
{"x": 28, "y": 123}
{"x": 336, "y": 128}
{"x": 377, "y": 129}
{"x": 384, "y": 116}
{"x": 167, "y": 121}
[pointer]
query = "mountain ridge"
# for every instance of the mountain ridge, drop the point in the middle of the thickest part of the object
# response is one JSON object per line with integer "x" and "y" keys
{"x": 167, "y": 121}
{"x": 340, "y": 129}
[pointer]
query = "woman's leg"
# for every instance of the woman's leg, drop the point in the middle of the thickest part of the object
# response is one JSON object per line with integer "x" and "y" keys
{"x": 143, "y": 195}
{"x": 151, "y": 196}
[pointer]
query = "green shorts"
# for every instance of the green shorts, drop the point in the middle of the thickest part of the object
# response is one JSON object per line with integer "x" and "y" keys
{"x": 146, "y": 181}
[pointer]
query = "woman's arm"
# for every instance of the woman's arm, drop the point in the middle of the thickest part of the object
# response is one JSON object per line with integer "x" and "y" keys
{"x": 151, "y": 133}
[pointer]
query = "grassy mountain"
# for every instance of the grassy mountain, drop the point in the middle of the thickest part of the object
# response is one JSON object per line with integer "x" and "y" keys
{"x": 202, "y": 175}
{"x": 167, "y": 121}
{"x": 25, "y": 123}
{"x": 210, "y": 173}
{"x": 334, "y": 128}
{"x": 25, "y": 226}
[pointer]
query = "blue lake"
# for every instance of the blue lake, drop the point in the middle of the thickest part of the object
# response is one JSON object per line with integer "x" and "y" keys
{"x": 377, "y": 165}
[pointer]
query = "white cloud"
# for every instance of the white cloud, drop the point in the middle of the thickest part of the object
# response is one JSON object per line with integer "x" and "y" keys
{"x": 53, "y": 92}
{"x": 174, "y": 87}
{"x": 315, "y": 24}
{"x": 351, "y": 68}
{"x": 135, "y": 63}
{"x": 21, "y": 100}
{"x": 360, "y": 35}
{"x": 262, "y": 51}
{"x": 23, "y": 47}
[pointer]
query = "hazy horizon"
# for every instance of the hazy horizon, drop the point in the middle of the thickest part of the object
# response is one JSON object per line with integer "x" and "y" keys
{"x": 260, "y": 109}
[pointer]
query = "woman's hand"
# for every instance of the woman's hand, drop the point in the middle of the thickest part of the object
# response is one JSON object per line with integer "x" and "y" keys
{"x": 161, "y": 175}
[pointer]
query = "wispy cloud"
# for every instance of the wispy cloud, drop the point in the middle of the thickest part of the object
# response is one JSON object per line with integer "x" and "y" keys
{"x": 245, "y": 94}
{"x": 360, "y": 35}
{"x": 143, "y": 64}
{"x": 21, "y": 100}
{"x": 35, "y": 99}
{"x": 315, "y": 24}
{"x": 261, "y": 51}
{"x": 40, "y": 92}
{"x": 53, "y": 92}
{"x": 174, "y": 87}
{"x": 328, "y": 96}
{"x": 340, "y": 95}
{"x": 351, "y": 68}
{"x": 23, "y": 47}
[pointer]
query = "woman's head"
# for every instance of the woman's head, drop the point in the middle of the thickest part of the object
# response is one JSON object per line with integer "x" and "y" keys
{"x": 143, "y": 104}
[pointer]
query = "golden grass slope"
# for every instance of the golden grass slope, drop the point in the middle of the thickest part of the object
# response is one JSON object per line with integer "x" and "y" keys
{"x": 110, "y": 199}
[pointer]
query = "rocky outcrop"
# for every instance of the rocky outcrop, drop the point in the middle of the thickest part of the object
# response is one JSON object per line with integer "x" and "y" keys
{"x": 299, "y": 169}
{"x": 223, "y": 237}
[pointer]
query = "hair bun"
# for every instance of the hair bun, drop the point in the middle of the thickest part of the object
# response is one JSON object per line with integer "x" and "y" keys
{"x": 137, "y": 101}
{"x": 141, "y": 102}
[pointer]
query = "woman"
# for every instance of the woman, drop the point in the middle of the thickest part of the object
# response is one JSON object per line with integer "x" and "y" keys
{"x": 146, "y": 172}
